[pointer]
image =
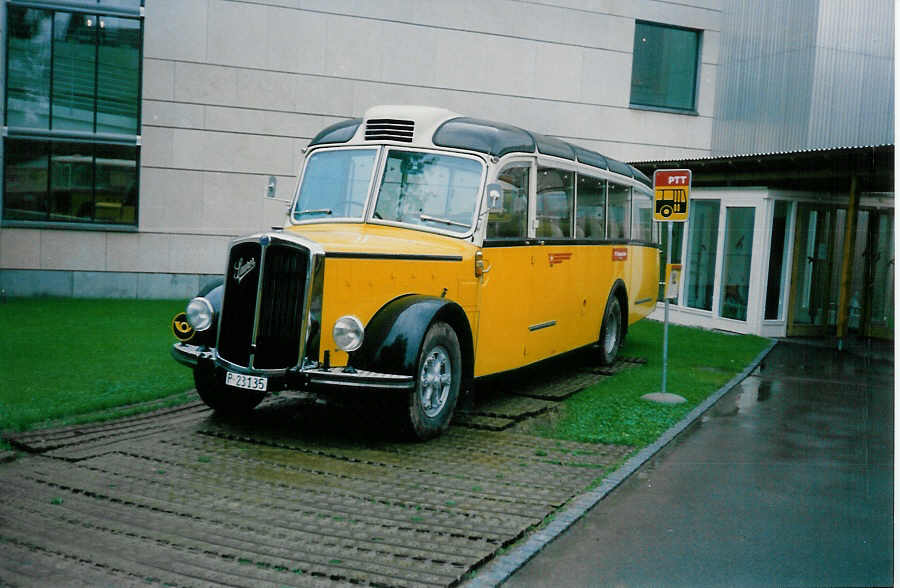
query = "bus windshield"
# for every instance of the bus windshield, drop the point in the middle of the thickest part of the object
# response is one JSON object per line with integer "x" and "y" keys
{"x": 335, "y": 184}
{"x": 429, "y": 189}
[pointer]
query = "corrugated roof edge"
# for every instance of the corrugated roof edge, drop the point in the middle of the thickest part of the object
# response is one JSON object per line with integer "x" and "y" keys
{"x": 759, "y": 154}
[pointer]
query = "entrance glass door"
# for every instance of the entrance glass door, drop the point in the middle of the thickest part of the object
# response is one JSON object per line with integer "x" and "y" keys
{"x": 811, "y": 282}
{"x": 879, "y": 314}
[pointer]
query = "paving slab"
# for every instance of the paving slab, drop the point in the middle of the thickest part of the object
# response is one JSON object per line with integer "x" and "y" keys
{"x": 295, "y": 494}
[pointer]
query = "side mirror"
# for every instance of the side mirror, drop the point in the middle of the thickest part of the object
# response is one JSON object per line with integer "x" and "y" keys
{"x": 271, "y": 190}
{"x": 494, "y": 197}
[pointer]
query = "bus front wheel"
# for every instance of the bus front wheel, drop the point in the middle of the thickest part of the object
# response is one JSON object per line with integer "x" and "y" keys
{"x": 438, "y": 378}
{"x": 611, "y": 331}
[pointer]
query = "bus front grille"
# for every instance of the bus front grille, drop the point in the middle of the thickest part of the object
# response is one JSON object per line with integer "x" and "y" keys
{"x": 389, "y": 129}
{"x": 277, "y": 275}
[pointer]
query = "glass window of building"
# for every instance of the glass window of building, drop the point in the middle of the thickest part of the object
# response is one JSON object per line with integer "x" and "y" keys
{"x": 777, "y": 261}
{"x": 512, "y": 221}
{"x": 664, "y": 68}
{"x": 72, "y": 112}
{"x": 590, "y": 213}
{"x": 701, "y": 254}
{"x": 738, "y": 254}
{"x": 619, "y": 212}
{"x": 555, "y": 201}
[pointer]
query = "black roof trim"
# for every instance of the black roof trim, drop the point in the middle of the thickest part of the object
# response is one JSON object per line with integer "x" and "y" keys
{"x": 554, "y": 147}
{"x": 495, "y": 139}
{"x": 337, "y": 133}
{"x": 498, "y": 139}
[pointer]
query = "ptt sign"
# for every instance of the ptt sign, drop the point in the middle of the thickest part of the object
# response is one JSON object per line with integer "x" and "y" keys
{"x": 671, "y": 194}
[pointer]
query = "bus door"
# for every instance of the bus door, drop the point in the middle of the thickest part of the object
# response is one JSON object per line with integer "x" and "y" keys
{"x": 554, "y": 291}
{"x": 505, "y": 288}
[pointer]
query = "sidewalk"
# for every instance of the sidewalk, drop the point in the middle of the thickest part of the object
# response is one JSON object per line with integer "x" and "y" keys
{"x": 787, "y": 480}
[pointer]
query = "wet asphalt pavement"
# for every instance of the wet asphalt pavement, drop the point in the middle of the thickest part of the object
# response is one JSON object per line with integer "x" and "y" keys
{"x": 787, "y": 480}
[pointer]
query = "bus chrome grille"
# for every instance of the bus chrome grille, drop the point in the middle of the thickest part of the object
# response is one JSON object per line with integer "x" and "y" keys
{"x": 389, "y": 129}
{"x": 280, "y": 324}
{"x": 277, "y": 275}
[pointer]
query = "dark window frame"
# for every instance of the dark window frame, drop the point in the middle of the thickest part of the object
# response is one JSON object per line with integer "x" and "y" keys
{"x": 92, "y": 140}
{"x": 695, "y": 90}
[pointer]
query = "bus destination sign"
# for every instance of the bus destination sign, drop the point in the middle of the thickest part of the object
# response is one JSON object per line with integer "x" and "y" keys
{"x": 671, "y": 194}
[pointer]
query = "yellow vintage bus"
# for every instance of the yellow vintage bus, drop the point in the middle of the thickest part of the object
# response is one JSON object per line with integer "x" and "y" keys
{"x": 424, "y": 250}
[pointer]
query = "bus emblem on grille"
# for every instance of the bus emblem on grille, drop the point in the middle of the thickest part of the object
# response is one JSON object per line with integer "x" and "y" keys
{"x": 241, "y": 269}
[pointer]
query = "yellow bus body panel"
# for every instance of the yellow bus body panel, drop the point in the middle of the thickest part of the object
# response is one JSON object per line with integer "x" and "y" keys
{"x": 510, "y": 308}
{"x": 538, "y": 301}
{"x": 362, "y": 285}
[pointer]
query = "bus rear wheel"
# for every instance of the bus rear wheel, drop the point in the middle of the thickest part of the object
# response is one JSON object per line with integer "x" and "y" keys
{"x": 666, "y": 211}
{"x": 611, "y": 331}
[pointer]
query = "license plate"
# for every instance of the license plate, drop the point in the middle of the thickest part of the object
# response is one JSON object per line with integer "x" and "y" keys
{"x": 246, "y": 382}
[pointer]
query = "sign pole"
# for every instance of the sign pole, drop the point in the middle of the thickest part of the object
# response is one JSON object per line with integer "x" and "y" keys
{"x": 666, "y": 317}
{"x": 671, "y": 201}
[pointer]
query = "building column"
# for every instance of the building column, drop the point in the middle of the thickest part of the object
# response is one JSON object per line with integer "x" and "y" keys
{"x": 847, "y": 263}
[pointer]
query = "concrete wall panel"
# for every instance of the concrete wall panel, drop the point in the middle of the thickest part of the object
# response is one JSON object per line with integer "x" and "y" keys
{"x": 163, "y": 286}
{"x": 18, "y": 282}
{"x": 20, "y": 248}
{"x": 104, "y": 284}
{"x": 175, "y": 29}
{"x": 73, "y": 250}
{"x": 158, "y": 80}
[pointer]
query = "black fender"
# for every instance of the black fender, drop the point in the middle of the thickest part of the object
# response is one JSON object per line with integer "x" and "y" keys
{"x": 618, "y": 289}
{"x": 394, "y": 336}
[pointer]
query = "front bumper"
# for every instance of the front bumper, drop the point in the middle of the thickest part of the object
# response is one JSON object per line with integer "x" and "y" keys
{"x": 300, "y": 379}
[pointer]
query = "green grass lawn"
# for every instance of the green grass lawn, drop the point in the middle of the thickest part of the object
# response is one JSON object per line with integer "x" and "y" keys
{"x": 61, "y": 358}
{"x": 64, "y": 360}
{"x": 612, "y": 411}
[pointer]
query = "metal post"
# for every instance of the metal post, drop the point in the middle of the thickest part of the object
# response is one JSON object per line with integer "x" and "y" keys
{"x": 666, "y": 315}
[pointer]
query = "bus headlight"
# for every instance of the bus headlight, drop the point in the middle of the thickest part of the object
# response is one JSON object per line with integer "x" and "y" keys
{"x": 200, "y": 313}
{"x": 348, "y": 333}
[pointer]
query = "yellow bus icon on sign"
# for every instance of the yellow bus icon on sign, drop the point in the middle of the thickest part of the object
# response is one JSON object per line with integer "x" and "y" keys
{"x": 671, "y": 201}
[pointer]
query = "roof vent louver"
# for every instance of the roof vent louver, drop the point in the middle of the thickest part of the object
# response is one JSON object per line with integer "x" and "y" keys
{"x": 389, "y": 129}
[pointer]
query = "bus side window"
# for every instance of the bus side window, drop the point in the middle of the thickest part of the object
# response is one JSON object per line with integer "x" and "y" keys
{"x": 619, "y": 225}
{"x": 590, "y": 213}
{"x": 555, "y": 200}
{"x": 511, "y": 223}
{"x": 642, "y": 216}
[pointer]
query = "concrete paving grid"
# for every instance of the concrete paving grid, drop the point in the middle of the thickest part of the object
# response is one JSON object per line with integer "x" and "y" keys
{"x": 289, "y": 497}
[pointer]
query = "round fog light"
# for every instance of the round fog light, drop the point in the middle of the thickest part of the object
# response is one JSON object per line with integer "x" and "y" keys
{"x": 200, "y": 313}
{"x": 348, "y": 333}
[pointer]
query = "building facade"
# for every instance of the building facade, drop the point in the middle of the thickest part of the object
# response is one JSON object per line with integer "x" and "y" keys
{"x": 792, "y": 227}
{"x": 139, "y": 136}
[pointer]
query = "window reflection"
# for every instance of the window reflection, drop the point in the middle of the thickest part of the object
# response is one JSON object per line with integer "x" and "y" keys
{"x": 511, "y": 223}
{"x": 590, "y": 216}
{"x": 619, "y": 226}
{"x": 70, "y": 182}
{"x": 436, "y": 191}
{"x": 555, "y": 200}
{"x": 28, "y": 67}
{"x": 74, "y": 65}
{"x": 117, "y": 75}
{"x": 736, "y": 264}
{"x": 642, "y": 216}
{"x": 26, "y": 180}
{"x": 70, "y": 71}
{"x": 701, "y": 257}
